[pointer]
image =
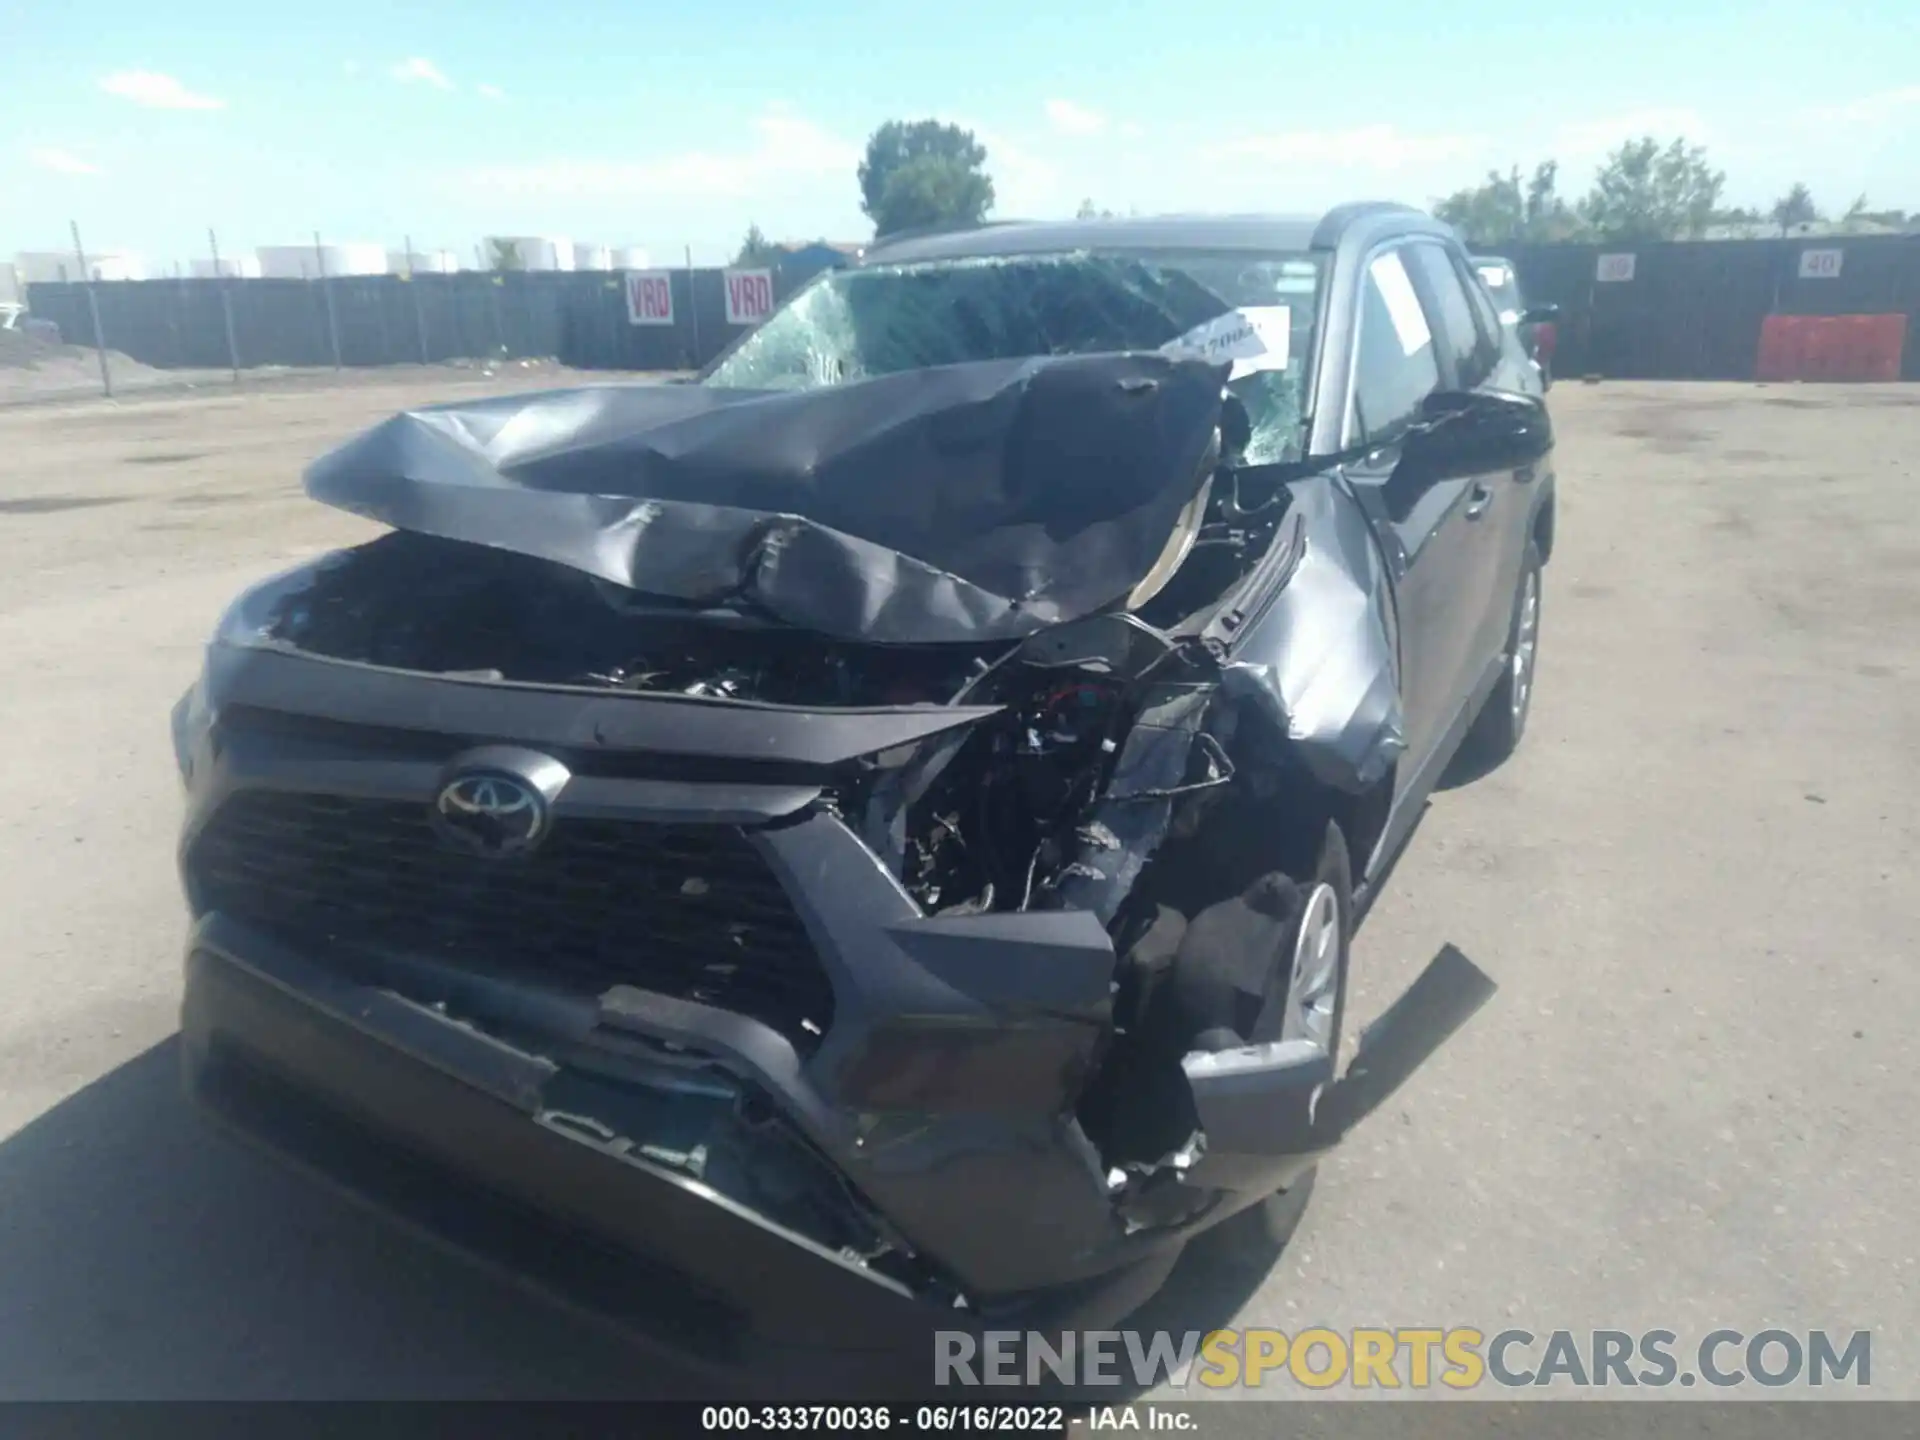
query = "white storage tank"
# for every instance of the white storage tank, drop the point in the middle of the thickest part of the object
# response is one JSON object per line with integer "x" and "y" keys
{"x": 630, "y": 257}
{"x": 52, "y": 267}
{"x": 239, "y": 267}
{"x": 310, "y": 262}
{"x": 422, "y": 262}
{"x": 534, "y": 252}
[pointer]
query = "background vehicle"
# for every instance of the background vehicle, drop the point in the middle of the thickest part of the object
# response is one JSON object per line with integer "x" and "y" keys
{"x": 1538, "y": 327}
{"x": 879, "y": 832}
{"x": 14, "y": 318}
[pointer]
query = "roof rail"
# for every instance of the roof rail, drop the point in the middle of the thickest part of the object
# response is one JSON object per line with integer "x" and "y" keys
{"x": 1327, "y": 233}
{"x": 923, "y": 232}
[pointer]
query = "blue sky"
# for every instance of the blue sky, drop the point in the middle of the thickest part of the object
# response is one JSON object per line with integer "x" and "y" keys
{"x": 675, "y": 125}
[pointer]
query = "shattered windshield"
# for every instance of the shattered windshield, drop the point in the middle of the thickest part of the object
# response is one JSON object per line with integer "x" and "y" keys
{"x": 858, "y": 324}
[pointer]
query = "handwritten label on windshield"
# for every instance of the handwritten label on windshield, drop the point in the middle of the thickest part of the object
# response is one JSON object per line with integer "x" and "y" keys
{"x": 1254, "y": 337}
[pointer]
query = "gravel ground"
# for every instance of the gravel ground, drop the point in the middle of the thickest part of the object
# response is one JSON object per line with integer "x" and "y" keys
{"x": 33, "y": 372}
{"x": 1690, "y": 1106}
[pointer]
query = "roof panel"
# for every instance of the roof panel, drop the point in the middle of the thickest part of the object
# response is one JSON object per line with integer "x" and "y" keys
{"x": 1165, "y": 232}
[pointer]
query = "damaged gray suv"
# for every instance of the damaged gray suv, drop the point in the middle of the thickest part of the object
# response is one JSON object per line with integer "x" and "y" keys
{"x": 871, "y": 838}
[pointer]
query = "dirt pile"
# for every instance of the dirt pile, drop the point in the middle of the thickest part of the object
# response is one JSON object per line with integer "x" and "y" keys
{"x": 31, "y": 367}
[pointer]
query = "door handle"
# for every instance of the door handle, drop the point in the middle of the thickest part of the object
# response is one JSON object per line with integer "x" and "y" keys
{"x": 1478, "y": 499}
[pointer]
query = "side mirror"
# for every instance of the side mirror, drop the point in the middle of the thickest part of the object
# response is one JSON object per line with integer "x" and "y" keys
{"x": 1539, "y": 314}
{"x": 1471, "y": 432}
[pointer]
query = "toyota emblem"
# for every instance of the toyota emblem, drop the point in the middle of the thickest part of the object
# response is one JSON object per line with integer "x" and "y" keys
{"x": 491, "y": 814}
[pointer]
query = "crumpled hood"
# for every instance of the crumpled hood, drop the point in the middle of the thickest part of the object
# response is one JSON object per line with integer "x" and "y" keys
{"x": 960, "y": 503}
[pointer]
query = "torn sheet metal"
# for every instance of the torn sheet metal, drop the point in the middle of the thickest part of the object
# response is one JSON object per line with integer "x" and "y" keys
{"x": 968, "y": 502}
{"x": 1321, "y": 660}
{"x": 1132, "y": 820}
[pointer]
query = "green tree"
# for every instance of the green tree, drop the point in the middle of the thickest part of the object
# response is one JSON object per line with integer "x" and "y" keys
{"x": 1545, "y": 216}
{"x": 504, "y": 255}
{"x": 1507, "y": 208}
{"x": 1089, "y": 211}
{"x": 1489, "y": 213}
{"x": 1796, "y": 207}
{"x": 756, "y": 250}
{"x": 1862, "y": 216}
{"x": 1646, "y": 191}
{"x": 923, "y": 173}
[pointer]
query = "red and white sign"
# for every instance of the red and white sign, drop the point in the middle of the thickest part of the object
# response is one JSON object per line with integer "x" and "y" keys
{"x": 649, "y": 297}
{"x": 1613, "y": 268}
{"x": 749, "y": 296}
{"x": 1820, "y": 264}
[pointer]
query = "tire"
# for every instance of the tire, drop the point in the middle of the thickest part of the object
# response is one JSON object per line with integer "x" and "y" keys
{"x": 1255, "y": 1236}
{"x": 1502, "y": 721}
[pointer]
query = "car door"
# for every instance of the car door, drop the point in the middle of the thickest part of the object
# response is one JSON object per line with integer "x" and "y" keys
{"x": 1495, "y": 511}
{"x": 1421, "y": 520}
{"x": 1514, "y": 369}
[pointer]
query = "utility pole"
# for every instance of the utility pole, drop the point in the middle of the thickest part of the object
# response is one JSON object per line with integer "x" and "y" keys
{"x": 419, "y": 315}
{"x": 224, "y": 281}
{"x": 693, "y": 309}
{"x": 326, "y": 287}
{"x": 93, "y": 305}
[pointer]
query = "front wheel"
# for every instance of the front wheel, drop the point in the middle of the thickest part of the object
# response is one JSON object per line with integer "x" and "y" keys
{"x": 1311, "y": 1007}
{"x": 1503, "y": 720}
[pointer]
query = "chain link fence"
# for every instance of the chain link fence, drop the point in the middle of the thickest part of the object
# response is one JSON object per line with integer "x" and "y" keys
{"x": 1694, "y": 310}
{"x": 579, "y": 318}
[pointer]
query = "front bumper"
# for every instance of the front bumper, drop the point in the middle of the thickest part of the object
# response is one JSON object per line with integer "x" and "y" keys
{"x": 435, "y": 1124}
{"x": 942, "y": 1091}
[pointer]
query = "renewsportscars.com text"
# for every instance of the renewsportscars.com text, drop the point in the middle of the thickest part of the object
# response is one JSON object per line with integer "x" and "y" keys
{"x": 1460, "y": 1358}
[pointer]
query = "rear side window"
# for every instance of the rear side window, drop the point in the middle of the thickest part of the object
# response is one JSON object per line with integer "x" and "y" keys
{"x": 1468, "y": 356}
{"x": 1395, "y": 368}
{"x": 1489, "y": 317}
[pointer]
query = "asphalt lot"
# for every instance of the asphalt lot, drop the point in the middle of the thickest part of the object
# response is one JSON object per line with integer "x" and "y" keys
{"x": 1691, "y": 1106}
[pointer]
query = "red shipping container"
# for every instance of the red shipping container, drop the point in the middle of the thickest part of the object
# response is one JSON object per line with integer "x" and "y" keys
{"x": 1781, "y": 340}
{"x": 1826, "y": 353}
{"x": 1831, "y": 347}
{"x": 1883, "y": 343}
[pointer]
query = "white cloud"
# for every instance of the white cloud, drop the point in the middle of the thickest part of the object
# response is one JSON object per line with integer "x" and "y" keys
{"x": 786, "y": 146}
{"x": 1132, "y": 130}
{"x": 1870, "y": 109}
{"x": 490, "y": 92}
{"x": 157, "y": 92}
{"x": 1369, "y": 147}
{"x": 1592, "y": 139}
{"x": 350, "y": 67}
{"x": 64, "y": 161}
{"x": 422, "y": 72}
{"x": 1024, "y": 184}
{"x": 1071, "y": 119}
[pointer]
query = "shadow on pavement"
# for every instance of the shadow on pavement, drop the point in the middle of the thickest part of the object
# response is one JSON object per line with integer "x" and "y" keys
{"x": 145, "y": 1256}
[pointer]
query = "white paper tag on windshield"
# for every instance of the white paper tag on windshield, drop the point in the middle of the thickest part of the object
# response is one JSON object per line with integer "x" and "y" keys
{"x": 1493, "y": 276}
{"x": 1254, "y": 337}
{"x": 1403, "y": 306}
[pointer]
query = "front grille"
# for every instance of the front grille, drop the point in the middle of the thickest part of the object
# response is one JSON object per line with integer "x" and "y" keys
{"x": 691, "y": 911}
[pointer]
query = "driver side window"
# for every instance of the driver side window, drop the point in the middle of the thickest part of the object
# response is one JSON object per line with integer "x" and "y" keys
{"x": 1395, "y": 368}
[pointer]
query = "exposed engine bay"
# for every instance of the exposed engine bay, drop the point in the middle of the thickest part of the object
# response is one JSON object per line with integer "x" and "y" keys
{"x": 416, "y": 602}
